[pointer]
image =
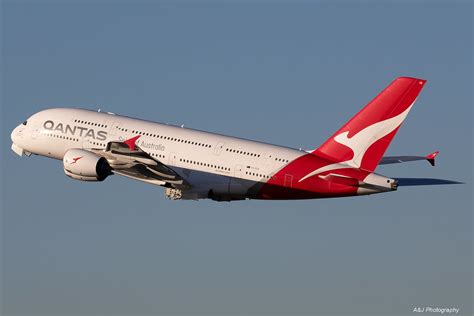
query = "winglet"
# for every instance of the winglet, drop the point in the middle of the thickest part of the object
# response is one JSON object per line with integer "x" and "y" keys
{"x": 431, "y": 157}
{"x": 131, "y": 142}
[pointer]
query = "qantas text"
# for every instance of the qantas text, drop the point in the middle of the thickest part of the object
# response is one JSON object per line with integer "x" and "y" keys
{"x": 75, "y": 130}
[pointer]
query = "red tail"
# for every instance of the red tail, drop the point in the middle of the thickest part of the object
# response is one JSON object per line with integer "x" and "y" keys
{"x": 362, "y": 141}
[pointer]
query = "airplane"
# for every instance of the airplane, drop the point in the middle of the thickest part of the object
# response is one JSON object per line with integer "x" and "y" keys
{"x": 192, "y": 164}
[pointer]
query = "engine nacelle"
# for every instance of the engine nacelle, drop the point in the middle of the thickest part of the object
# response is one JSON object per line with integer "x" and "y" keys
{"x": 84, "y": 165}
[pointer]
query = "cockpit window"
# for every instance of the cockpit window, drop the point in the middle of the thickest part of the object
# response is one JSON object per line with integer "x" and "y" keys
{"x": 25, "y": 122}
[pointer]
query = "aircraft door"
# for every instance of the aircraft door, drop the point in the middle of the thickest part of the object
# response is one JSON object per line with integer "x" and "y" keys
{"x": 288, "y": 182}
{"x": 35, "y": 133}
{"x": 238, "y": 171}
{"x": 237, "y": 187}
{"x": 218, "y": 149}
{"x": 173, "y": 157}
{"x": 267, "y": 159}
{"x": 87, "y": 143}
{"x": 114, "y": 131}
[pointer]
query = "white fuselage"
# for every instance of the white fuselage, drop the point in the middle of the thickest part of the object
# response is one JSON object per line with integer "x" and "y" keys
{"x": 206, "y": 160}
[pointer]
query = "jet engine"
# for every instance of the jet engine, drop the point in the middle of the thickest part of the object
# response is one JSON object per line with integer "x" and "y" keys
{"x": 84, "y": 165}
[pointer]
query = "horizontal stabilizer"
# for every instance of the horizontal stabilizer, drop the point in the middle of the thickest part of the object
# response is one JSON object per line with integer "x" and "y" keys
{"x": 399, "y": 159}
{"x": 406, "y": 182}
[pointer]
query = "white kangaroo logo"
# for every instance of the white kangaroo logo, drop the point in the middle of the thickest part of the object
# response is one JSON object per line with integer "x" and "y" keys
{"x": 360, "y": 142}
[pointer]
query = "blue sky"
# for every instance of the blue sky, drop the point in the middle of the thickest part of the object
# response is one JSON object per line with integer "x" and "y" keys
{"x": 280, "y": 72}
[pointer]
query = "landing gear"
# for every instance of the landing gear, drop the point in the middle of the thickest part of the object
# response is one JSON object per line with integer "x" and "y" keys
{"x": 173, "y": 194}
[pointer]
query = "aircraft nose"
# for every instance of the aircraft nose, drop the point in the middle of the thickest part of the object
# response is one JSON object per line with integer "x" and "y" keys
{"x": 17, "y": 137}
{"x": 13, "y": 134}
{"x": 17, "y": 134}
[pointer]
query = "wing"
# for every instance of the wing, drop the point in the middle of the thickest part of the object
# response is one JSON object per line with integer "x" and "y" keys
{"x": 399, "y": 159}
{"x": 129, "y": 160}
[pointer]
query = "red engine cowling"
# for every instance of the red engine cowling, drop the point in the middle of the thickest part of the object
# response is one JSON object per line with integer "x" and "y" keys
{"x": 84, "y": 165}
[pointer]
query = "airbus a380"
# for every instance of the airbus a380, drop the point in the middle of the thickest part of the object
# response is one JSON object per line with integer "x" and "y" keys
{"x": 193, "y": 164}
